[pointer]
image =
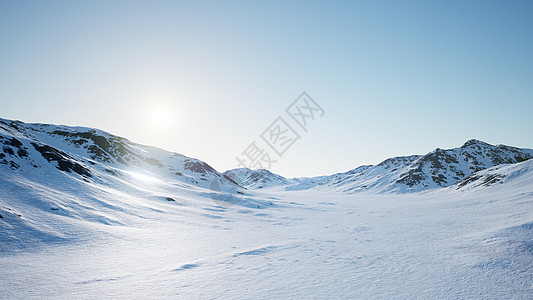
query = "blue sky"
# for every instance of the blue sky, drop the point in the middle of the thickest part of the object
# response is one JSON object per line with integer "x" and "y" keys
{"x": 394, "y": 77}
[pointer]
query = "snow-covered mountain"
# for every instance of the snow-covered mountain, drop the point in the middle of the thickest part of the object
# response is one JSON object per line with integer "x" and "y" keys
{"x": 50, "y": 172}
{"x": 89, "y": 153}
{"x": 437, "y": 169}
{"x": 257, "y": 179}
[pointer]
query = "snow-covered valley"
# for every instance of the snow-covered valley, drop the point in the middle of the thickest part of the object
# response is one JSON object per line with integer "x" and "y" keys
{"x": 79, "y": 223}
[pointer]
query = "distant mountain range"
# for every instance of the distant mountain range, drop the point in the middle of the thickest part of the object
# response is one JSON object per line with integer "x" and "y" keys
{"x": 93, "y": 155}
{"x": 437, "y": 169}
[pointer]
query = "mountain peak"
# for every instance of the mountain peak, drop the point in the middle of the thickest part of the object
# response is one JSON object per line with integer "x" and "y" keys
{"x": 474, "y": 142}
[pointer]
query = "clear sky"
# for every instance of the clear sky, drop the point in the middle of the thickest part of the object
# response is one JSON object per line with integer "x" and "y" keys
{"x": 205, "y": 79}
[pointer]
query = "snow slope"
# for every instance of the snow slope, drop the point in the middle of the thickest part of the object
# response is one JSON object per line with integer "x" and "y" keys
{"x": 51, "y": 173}
{"x": 440, "y": 244}
{"x": 514, "y": 176}
{"x": 89, "y": 154}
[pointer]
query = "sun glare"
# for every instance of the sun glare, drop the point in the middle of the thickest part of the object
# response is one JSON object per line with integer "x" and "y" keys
{"x": 160, "y": 118}
{"x": 143, "y": 177}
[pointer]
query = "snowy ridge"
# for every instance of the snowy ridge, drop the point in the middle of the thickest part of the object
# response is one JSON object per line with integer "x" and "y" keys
{"x": 515, "y": 176}
{"x": 437, "y": 169}
{"x": 257, "y": 179}
{"x": 87, "y": 152}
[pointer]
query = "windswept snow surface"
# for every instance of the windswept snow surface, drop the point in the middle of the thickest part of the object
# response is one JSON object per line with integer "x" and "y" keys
{"x": 475, "y": 242}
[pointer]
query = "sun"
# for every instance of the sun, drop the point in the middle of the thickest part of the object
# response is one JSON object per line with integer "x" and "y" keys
{"x": 160, "y": 118}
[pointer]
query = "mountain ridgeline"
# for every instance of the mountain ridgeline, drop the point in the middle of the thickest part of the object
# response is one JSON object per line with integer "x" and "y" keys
{"x": 92, "y": 154}
{"x": 437, "y": 169}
